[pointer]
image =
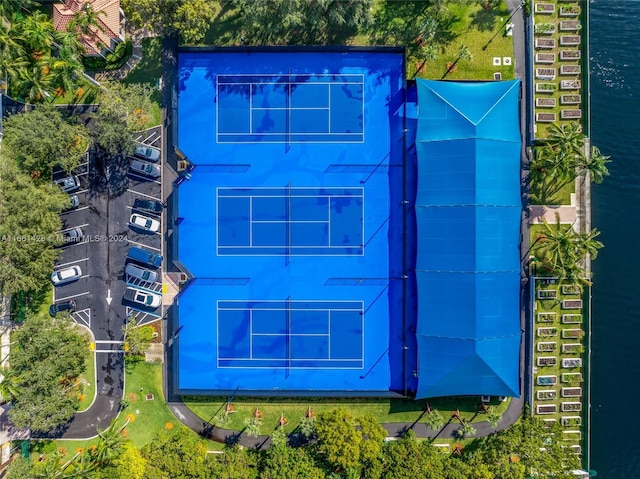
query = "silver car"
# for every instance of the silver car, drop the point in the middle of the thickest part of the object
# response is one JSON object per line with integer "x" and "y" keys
{"x": 67, "y": 275}
{"x": 137, "y": 272}
{"x": 144, "y": 168}
{"x": 68, "y": 184}
{"x": 148, "y": 152}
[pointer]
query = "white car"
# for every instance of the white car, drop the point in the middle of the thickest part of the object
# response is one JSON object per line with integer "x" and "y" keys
{"x": 144, "y": 298}
{"x": 144, "y": 223}
{"x": 67, "y": 275}
{"x": 144, "y": 168}
{"x": 148, "y": 152}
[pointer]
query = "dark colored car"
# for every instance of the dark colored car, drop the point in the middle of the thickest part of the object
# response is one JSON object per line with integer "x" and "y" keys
{"x": 144, "y": 256}
{"x": 148, "y": 206}
{"x": 68, "y": 306}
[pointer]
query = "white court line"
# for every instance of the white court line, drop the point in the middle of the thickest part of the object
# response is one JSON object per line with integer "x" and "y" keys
{"x": 61, "y": 265}
{"x": 144, "y": 245}
{"x": 72, "y": 296}
{"x": 290, "y": 334}
{"x": 290, "y": 221}
{"x": 105, "y": 341}
{"x": 251, "y": 142}
{"x": 293, "y": 133}
{"x": 288, "y": 109}
{"x": 143, "y": 194}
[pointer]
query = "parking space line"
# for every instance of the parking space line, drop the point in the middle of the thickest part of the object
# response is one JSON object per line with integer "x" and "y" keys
{"x": 143, "y": 194}
{"x": 72, "y": 296}
{"x": 144, "y": 245}
{"x": 79, "y": 191}
{"x": 58, "y": 266}
{"x": 109, "y": 351}
{"x": 84, "y": 276}
{"x": 74, "y": 209}
{"x": 146, "y": 179}
{"x": 82, "y": 174}
{"x": 106, "y": 341}
{"x": 69, "y": 229}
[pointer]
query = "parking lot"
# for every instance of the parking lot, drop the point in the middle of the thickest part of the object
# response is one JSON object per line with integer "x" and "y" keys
{"x": 104, "y": 218}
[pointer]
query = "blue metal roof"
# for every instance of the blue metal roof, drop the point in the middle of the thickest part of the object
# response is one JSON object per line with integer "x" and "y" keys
{"x": 468, "y": 212}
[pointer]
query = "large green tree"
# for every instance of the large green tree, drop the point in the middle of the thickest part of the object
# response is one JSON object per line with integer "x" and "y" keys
{"x": 48, "y": 354}
{"x": 302, "y": 22}
{"x": 29, "y": 217}
{"x": 234, "y": 463}
{"x": 190, "y": 18}
{"x": 179, "y": 455}
{"x": 136, "y": 338}
{"x": 42, "y": 138}
{"x": 338, "y": 439}
{"x": 284, "y": 462}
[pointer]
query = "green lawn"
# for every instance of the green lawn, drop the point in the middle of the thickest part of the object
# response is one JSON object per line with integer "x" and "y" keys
{"x": 88, "y": 383}
{"x": 482, "y": 31}
{"x": 384, "y": 410}
{"x": 149, "y": 70}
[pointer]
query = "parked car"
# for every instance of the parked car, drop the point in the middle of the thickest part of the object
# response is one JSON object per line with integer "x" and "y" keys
{"x": 144, "y": 168}
{"x": 145, "y": 257}
{"x": 148, "y": 206}
{"x": 144, "y": 298}
{"x": 61, "y": 307}
{"x": 144, "y": 223}
{"x": 68, "y": 184}
{"x": 148, "y": 152}
{"x": 67, "y": 275}
{"x": 74, "y": 235}
{"x": 140, "y": 273}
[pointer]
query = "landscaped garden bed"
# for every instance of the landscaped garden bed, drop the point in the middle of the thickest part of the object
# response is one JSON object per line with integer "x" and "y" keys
{"x": 546, "y": 73}
{"x": 571, "y": 303}
{"x": 547, "y": 294}
{"x": 572, "y": 363}
{"x": 576, "y": 448}
{"x": 547, "y": 380}
{"x": 571, "y": 406}
{"x": 546, "y": 395}
{"x": 545, "y": 117}
{"x": 571, "y": 421}
{"x": 572, "y": 348}
{"x": 571, "y": 114}
{"x": 570, "y": 84}
{"x": 547, "y": 361}
{"x": 569, "y": 11}
{"x": 547, "y": 332}
{"x": 572, "y": 318}
{"x": 546, "y": 408}
{"x": 570, "y": 54}
{"x": 570, "y": 288}
{"x": 544, "y": 28}
{"x": 549, "y": 317}
{"x": 571, "y": 435}
{"x": 570, "y": 70}
{"x": 570, "y": 25}
{"x": 545, "y": 43}
{"x": 572, "y": 333}
{"x": 545, "y": 102}
{"x": 545, "y": 57}
{"x": 570, "y": 100}
{"x": 571, "y": 392}
{"x": 571, "y": 378}
{"x": 545, "y": 8}
{"x": 546, "y": 347}
{"x": 566, "y": 40}
{"x": 545, "y": 87}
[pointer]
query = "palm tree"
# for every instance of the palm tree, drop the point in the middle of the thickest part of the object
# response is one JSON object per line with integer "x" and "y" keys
{"x": 493, "y": 417}
{"x": 307, "y": 426}
{"x": 463, "y": 53}
{"x": 9, "y": 7}
{"x": 434, "y": 420}
{"x": 562, "y": 250}
{"x": 466, "y": 429}
{"x": 37, "y": 33}
{"x": 86, "y": 18}
{"x": 109, "y": 443}
{"x": 594, "y": 164}
{"x": 62, "y": 74}
{"x": 567, "y": 138}
{"x": 252, "y": 426}
{"x": 456, "y": 415}
{"x": 278, "y": 437}
{"x": 34, "y": 83}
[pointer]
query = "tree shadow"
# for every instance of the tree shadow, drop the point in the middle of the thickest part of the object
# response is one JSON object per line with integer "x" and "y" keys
{"x": 484, "y": 20}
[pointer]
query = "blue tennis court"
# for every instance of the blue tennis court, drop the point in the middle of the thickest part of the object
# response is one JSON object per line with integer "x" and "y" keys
{"x": 290, "y": 221}
{"x": 290, "y": 334}
{"x": 290, "y": 108}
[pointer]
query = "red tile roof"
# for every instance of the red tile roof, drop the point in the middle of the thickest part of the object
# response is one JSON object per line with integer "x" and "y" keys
{"x": 63, "y": 13}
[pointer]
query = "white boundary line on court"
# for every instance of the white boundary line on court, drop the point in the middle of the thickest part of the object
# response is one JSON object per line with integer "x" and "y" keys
{"x": 288, "y": 134}
{"x": 292, "y": 248}
{"x": 361, "y": 360}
